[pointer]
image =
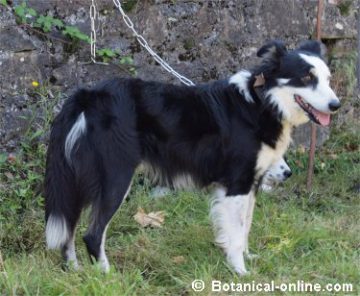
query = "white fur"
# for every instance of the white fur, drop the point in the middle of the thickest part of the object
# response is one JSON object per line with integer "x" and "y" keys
{"x": 57, "y": 233}
{"x": 283, "y": 98}
{"x": 275, "y": 174}
{"x": 76, "y": 131}
{"x": 183, "y": 182}
{"x": 153, "y": 173}
{"x": 103, "y": 260}
{"x": 249, "y": 218}
{"x": 266, "y": 187}
{"x": 160, "y": 191}
{"x": 229, "y": 215}
{"x": 268, "y": 156}
{"x": 70, "y": 253}
{"x": 241, "y": 80}
{"x": 283, "y": 81}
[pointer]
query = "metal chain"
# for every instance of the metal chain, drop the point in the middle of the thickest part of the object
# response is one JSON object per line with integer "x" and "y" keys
{"x": 139, "y": 38}
{"x": 93, "y": 31}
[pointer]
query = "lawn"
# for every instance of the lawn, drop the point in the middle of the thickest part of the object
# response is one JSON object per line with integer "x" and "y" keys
{"x": 298, "y": 235}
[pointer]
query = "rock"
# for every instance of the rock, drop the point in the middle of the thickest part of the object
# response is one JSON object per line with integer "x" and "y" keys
{"x": 13, "y": 39}
{"x": 14, "y": 120}
{"x": 338, "y": 21}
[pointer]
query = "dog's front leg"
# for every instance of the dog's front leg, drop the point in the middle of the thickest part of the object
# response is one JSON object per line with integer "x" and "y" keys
{"x": 249, "y": 218}
{"x": 229, "y": 215}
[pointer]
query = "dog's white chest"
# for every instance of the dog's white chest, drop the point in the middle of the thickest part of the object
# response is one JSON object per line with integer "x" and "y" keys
{"x": 267, "y": 155}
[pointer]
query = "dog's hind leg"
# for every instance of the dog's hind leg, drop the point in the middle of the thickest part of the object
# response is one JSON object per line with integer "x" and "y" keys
{"x": 229, "y": 218}
{"x": 115, "y": 189}
{"x": 69, "y": 253}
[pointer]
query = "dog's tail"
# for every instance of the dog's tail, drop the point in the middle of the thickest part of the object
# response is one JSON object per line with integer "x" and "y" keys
{"x": 63, "y": 204}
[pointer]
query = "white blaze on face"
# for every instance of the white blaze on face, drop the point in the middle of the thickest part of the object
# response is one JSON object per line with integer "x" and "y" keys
{"x": 322, "y": 95}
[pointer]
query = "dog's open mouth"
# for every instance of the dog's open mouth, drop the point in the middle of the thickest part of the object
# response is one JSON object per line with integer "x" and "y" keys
{"x": 315, "y": 115}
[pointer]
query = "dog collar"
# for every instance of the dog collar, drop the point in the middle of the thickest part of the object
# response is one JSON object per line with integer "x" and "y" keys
{"x": 258, "y": 85}
{"x": 259, "y": 80}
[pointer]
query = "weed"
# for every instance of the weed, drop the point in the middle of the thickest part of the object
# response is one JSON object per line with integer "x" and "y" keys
{"x": 128, "y": 5}
{"x": 24, "y": 13}
{"x": 344, "y": 79}
{"x": 345, "y": 7}
{"x": 46, "y": 23}
{"x": 22, "y": 177}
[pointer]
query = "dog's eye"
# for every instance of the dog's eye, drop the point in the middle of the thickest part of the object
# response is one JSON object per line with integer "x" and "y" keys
{"x": 308, "y": 78}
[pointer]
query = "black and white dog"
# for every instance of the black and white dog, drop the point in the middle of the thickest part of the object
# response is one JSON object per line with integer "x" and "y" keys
{"x": 226, "y": 133}
{"x": 277, "y": 173}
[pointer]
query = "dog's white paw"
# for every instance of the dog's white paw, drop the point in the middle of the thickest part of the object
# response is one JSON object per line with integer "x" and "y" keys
{"x": 252, "y": 256}
{"x": 241, "y": 271}
{"x": 73, "y": 264}
{"x": 236, "y": 259}
{"x": 266, "y": 187}
{"x": 159, "y": 191}
{"x": 104, "y": 265}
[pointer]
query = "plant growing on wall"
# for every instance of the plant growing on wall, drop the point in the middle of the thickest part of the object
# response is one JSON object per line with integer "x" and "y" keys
{"x": 46, "y": 23}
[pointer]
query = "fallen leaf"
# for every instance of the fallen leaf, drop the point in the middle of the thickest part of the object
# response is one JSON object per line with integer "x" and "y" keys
{"x": 11, "y": 157}
{"x": 178, "y": 259}
{"x": 155, "y": 219}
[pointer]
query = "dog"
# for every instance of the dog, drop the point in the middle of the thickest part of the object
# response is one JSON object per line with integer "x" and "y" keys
{"x": 279, "y": 172}
{"x": 226, "y": 133}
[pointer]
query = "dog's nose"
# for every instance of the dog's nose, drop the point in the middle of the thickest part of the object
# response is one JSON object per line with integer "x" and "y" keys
{"x": 334, "y": 105}
{"x": 287, "y": 174}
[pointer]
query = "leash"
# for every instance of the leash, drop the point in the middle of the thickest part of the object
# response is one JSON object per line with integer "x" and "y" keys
{"x": 141, "y": 40}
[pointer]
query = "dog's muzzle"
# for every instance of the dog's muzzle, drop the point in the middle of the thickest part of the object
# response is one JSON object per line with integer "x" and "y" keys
{"x": 314, "y": 114}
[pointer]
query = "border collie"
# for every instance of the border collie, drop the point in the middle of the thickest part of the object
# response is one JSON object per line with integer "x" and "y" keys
{"x": 279, "y": 172}
{"x": 226, "y": 133}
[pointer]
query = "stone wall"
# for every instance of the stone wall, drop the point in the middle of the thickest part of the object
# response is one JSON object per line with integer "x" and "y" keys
{"x": 203, "y": 40}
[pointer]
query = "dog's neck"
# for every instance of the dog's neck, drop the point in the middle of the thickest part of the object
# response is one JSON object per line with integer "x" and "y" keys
{"x": 258, "y": 85}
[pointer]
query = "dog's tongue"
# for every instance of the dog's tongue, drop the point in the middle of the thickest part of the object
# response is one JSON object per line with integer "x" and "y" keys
{"x": 323, "y": 118}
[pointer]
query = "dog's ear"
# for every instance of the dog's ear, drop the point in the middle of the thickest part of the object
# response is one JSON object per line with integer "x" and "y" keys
{"x": 272, "y": 50}
{"x": 314, "y": 47}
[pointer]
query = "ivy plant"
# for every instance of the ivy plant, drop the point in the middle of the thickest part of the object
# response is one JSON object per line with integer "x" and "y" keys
{"x": 24, "y": 13}
{"x": 46, "y": 23}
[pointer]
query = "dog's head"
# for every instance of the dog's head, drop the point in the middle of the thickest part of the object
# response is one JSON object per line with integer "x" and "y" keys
{"x": 277, "y": 173}
{"x": 298, "y": 82}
